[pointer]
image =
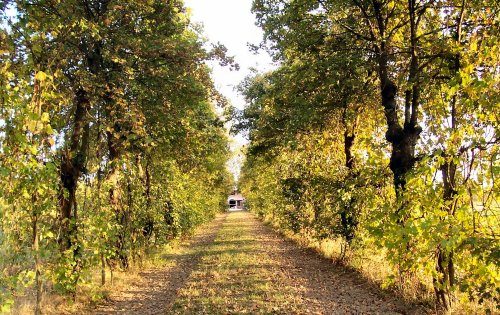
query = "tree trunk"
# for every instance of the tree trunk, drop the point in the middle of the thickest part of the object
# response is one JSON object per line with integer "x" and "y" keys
{"x": 149, "y": 225}
{"x": 71, "y": 167}
{"x": 348, "y": 215}
{"x": 73, "y": 158}
{"x": 103, "y": 270}
{"x": 348, "y": 144}
{"x": 115, "y": 194}
{"x": 403, "y": 139}
{"x": 444, "y": 262}
{"x": 38, "y": 279}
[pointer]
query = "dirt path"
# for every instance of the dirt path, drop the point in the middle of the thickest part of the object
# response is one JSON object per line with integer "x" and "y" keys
{"x": 157, "y": 290}
{"x": 240, "y": 266}
{"x": 322, "y": 287}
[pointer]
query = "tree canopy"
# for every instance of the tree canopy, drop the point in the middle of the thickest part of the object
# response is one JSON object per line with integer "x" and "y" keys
{"x": 380, "y": 128}
{"x": 109, "y": 138}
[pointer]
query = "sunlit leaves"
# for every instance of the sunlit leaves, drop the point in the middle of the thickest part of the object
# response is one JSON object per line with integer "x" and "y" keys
{"x": 98, "y": 100}
{"x": 329, "y": 52}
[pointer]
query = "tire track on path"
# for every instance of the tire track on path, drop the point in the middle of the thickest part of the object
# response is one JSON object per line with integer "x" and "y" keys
{"x": 157, "y": 290}
{"x": 238, "y": 265}
{"x": 251, "y": 269}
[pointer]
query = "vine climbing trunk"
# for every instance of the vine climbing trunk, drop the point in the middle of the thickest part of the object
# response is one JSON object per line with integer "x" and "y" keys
{"x": 115, "y": 140}
{"x": 73, "y": 157}
{"x": 349, "y": 138}
{"x": 149, "y": 224}
{"x": 403, "y": 138}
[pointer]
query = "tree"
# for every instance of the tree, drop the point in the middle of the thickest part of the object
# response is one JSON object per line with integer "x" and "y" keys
{"x": 97, "y": 98}
{"x": 429, "y": 59}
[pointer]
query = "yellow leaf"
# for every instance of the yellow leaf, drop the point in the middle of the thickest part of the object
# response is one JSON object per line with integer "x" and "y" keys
{"x": 41, "y": 76}
{"x": 45, "y": 117}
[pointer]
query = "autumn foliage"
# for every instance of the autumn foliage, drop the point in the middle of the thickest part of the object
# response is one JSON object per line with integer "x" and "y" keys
{"x": 110, "y": 145}
{"x": 379, "y": 130}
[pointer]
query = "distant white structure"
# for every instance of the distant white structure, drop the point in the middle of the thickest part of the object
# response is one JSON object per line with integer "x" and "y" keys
{"x": 236, "y": 201}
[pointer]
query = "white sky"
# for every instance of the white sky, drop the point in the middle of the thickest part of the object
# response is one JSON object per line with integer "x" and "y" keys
{"x": 231, "y": 23}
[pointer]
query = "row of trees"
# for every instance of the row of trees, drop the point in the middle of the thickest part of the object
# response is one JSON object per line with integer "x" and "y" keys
{"x": 381, "y": 127}
{"x": 109, "y": 140}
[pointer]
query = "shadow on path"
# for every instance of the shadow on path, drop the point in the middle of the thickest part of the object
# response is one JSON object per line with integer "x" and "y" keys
{"x": 237, "y": 265}
{"x": 323, "y": 287}
{"x": 157, "y": 290}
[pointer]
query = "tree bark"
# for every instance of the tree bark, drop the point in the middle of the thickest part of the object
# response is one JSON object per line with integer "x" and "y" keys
{"x": 36, "y": 250}
{"x": 115, "y": 197}
{"x": 73, "y": 158}
{"x": 348, "y": 215}
{"x": 71, "y": 167}
{"x": 403, "y": 139}
{"x": 149, "y": 225}
{"x": 444, "y": 261}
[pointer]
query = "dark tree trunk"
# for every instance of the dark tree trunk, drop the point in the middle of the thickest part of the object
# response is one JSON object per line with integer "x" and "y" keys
{"x": 115, "y": 196}
{"x": 116, "y": 147}
{"x": 348, "y": 144}
{"x": 74, "y": 157}
{"x": 148, "y": 185}
{"x": 349, "y": 215}
{"x": 444, "y": 262}
{"x": 72, "y": 166}
{"x": 403, "y": 139}
{"x": 149, "y": 224}
{"x": 38, "y": 263}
